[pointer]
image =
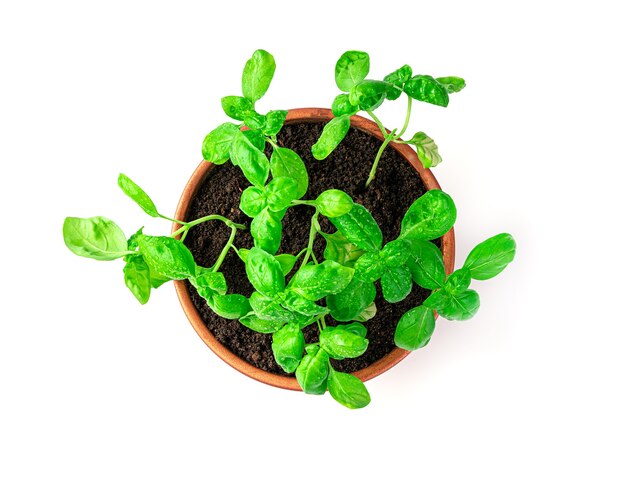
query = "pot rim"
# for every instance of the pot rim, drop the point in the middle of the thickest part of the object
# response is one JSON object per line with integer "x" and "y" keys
{"x": 197, "y": 178}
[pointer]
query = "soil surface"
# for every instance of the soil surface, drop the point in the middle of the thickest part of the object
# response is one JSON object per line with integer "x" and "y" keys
{"x": 395, "y": 188}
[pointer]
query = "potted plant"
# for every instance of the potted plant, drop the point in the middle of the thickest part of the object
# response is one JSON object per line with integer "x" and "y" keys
{"x": 311, "y": 249}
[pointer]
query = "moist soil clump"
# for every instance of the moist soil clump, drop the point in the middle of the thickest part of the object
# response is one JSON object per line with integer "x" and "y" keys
{"x": 394, "y": 189}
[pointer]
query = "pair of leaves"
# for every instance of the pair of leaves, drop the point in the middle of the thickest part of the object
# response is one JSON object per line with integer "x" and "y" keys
{"x": 276, "y": 196}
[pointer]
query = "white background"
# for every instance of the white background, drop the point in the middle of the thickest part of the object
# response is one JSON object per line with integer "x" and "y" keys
{"x": 101, "y": 396}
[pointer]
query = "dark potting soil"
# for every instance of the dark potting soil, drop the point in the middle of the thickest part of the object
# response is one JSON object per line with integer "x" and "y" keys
{"x": 395, "y": 188}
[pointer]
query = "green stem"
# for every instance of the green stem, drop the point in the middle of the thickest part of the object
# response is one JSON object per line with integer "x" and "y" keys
{"x": 189, "y": 225}
{"x": 406, "y": 120}
{"x": 377, "y": 121}
{"x": 228, "y": 246}
{"x": 172, "y": 220}
{"x": 312, "y": 234}
{"x": 378, "y": 155}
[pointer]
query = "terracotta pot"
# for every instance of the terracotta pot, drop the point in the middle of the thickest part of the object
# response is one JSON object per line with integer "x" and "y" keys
{"x": 382, "y": 365}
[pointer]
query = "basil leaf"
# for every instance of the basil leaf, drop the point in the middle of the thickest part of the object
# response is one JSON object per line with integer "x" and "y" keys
{"x": 96, "y": 237}
{"x": 415, "y": 328}
{"x": 491, "y": 257}
{"x": 353, "y": 301}
{"x": 427, "y": 150}
{"x": 137, "y": 278}
{"x": 460, "y": 306}
{"x": 286, "y": 261}
{"x": 287, "y": 163}
{"x": 426, "y": 265}
{"x": 257, "y": 75}
{"x": 251, "y": 321}
{"x": 342, "y": 106}
{"x": 256, "y": 138}
{"x": 396, "y": 283}
{"x": 400, "y": 76}
{"x": 266, "y": 229}
{"x": 230, "y": 306}
{"x": 264, "y": 272}
{"x": 167, "y": 256}
{"x": 458, "y": 281}
{"x": 351, "y": 68}
{"x": 256, "y": 122}
{"x": 429, "y": 217}
{"x": 334, "y": 132}
{"x": 452, "y": 84}
{"x": 395, "y": 253}
{"x": 269, "y": 308}
{"x": 333, "y": 203}
{"x": 157, "y": 280}
{"x": 347, "y": 390}
{"x": 288, "y": 347}
{"x": 317, "y": 281}
{"x": 359, "y": 227}
{"x": 217, "y": 144}
{"x": 252, "y": 201}
{"x": 427, "y": 89}
{"x": 369, "y": 267}
{"x": 243, "y": 254}
{"x": 355, "y": 328}
{"x": 237, "y": 107}
{"x": 368, "y": 95}
{"x": 312, "y": 373}
{"x": 281, "y": 191}
{"x": 369, "y": 313}
{"x": 340, "y": 250}
{"x": 393, "y": 92}
{"x": 340, "y": 343}
{"x": 296, "y": 303}
{"x": 253, "y": 162}
{"x": 138, "y": 195}
{"x": 274, "y": 121}
{"x": 207, "y": 278}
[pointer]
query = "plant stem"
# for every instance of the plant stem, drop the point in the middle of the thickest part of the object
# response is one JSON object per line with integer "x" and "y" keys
{"x": 377, "y": 121}
{"x": 228, "y": 246}
{"x": 378, "y": 155}
{"x": 172, "y": 220}
{"x": 312, "y": 234}
{"x": 406, "y": 120}
{"x": 189, "y": 225}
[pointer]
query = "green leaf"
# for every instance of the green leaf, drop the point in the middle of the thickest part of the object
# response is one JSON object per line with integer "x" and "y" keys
{"x": 286, "y": 261}
{"x": 269, "y": 308}
{"x": 395, "y": 253}
{"x": 458, "y": 281}
{"x": 333, "y": 133}
{"x": 230, "y": 306}
{"x": 95, "y": 237}
{"x": 461, "y": 306}
{"x": 138, "y": 195}
{"x": 274, "y": 121}
{"x": 312, "y": 373}
{"x": 157, "y": 280}
{"x": 415, "y": 328}
{"x": 491, "y": 257}
{"x": 342, "y": 106}
{"x": 367, "y": 314}
{"x": 167, "y": 256}
{"x": 287, "y": 163}
{"x": 288, "y": 347}
{"x": 255, "y": 121}
{"x": 426, "y": 265}
{"x": 256, "y": 138}
{"x": 359, "y": 227}
{"x": 355, "y": 328}
{"x": 206, "y": 278}
{"x": 369, "y": 267}
{"x": 296, "y": 303}
{"x": 251, "y": 321}
{"x": 237, "y": 107}
{"x": 368, "y": 95}
{"x": 217, "y": 144}
{"x": 253, "y": 200}
{"x": 430, "y": 216}
{"x": 353, "y": 301}
{"x": 137, "y": 278}
{"x": 427, "y": 89}
{"x": 333, "y": 203}
{"x": 317, "y": 281}
{"x": 266, "y": 229}
{"x": 400, "y": 76}
{"x": 340, "y": 250}
{"x": 257, "y": 75}
{"x": 264, "y": 272}
{"x": 347, "y": 390}
{"x": 281, "y": 191}
{"x": 253, "y": 162}
{"x": 341, "y": 343}
{"x": 396, "y": 283}
{"x": 427, "y": 150}
{"x": 452, "y": 84}
{"x": 351, "y": 68}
